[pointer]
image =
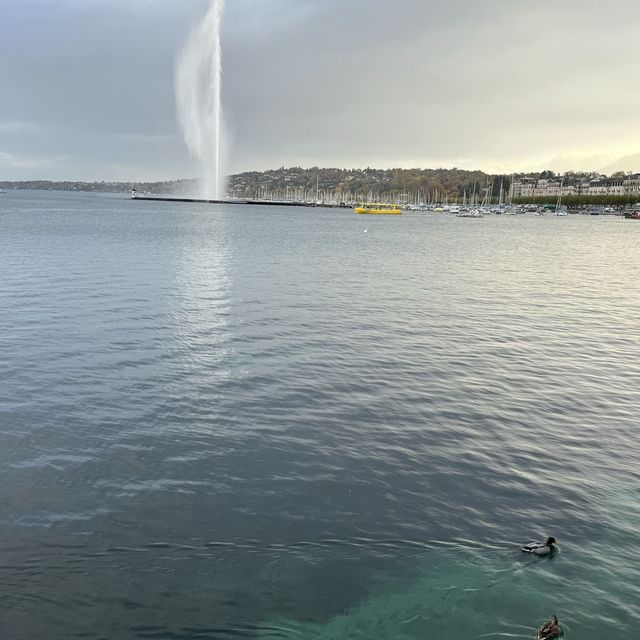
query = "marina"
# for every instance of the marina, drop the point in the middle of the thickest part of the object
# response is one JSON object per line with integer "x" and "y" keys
{"x": 459, "y": 211}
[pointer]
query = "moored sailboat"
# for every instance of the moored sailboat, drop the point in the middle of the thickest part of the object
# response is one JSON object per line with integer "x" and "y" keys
{"x": 559, "y": 211}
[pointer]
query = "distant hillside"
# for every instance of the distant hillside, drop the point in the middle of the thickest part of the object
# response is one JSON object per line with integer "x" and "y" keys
{"x": 327, "y": 184}
{"x": 173, "y": 187}
{"x": 628, "y": 163}
{"x": 363, "y": 184}
{"x": 311, "y": 184}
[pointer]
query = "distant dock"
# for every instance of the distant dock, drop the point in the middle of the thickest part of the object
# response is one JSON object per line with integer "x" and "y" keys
{"x": 268, "y": 203}
{"x": 171, "y": 199}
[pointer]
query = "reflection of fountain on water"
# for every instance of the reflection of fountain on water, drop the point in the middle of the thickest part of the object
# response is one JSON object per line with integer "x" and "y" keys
{"x": 198, "y": 83}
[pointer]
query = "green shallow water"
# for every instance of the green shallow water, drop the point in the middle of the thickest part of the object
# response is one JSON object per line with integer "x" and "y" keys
{"x": 463, "y": 593}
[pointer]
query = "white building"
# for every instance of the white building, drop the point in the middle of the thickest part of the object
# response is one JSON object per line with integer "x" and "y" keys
{"x": 595, "y": 185}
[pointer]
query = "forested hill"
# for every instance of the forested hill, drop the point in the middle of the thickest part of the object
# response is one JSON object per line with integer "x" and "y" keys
{"x": 387, "y": 182}
{"x": 308, "y": 183}
{"x": 165, "y": 187}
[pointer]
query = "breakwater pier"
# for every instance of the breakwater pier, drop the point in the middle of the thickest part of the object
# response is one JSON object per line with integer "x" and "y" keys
{"x": 271, "y": 203}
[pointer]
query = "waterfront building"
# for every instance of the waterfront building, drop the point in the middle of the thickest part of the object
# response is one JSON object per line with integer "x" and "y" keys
{"x": 593, "y": 185}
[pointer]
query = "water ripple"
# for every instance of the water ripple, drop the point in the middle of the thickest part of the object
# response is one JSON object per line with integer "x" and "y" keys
{"x": 237, "y": 422}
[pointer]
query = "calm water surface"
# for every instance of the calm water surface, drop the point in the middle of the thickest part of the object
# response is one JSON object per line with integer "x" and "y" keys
{"x": 223, "y": 422}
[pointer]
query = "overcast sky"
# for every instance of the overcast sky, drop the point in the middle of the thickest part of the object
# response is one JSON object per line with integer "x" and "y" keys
{"x": 87, "y": 86}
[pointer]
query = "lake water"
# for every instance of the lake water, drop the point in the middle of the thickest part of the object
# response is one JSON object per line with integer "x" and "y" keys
{"x": 222, "y": 422}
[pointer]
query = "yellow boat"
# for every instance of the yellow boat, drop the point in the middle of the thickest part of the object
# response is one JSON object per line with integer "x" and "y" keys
{"x": 378, "y": 208}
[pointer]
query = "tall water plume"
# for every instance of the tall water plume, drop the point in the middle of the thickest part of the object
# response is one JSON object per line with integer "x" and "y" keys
{"x": 198, "y": 97}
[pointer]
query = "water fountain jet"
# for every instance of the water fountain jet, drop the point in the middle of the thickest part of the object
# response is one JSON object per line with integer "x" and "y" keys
{"x": 198, "y": 97}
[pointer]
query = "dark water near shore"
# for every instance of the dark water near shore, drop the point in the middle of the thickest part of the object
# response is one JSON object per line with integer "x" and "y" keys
{"x": 223, "y": 422}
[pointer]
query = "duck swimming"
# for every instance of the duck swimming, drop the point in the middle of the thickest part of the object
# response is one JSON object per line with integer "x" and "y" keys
{"x": 550, "y": 630}
{"x": 541, "y": 548}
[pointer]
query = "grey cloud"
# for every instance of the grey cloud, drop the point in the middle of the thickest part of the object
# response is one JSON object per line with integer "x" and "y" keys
{"x": 17, "y": 128}
{"x": 328, "y": 82}
{"x": 433, "y": 79}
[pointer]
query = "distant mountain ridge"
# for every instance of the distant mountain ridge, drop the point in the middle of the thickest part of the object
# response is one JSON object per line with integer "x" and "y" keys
{"x": 627, "y": 163}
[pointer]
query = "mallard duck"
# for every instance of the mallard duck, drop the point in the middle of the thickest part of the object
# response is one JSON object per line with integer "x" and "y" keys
{"x": 541, "y": 548}
{"x": 549, "y": 630}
